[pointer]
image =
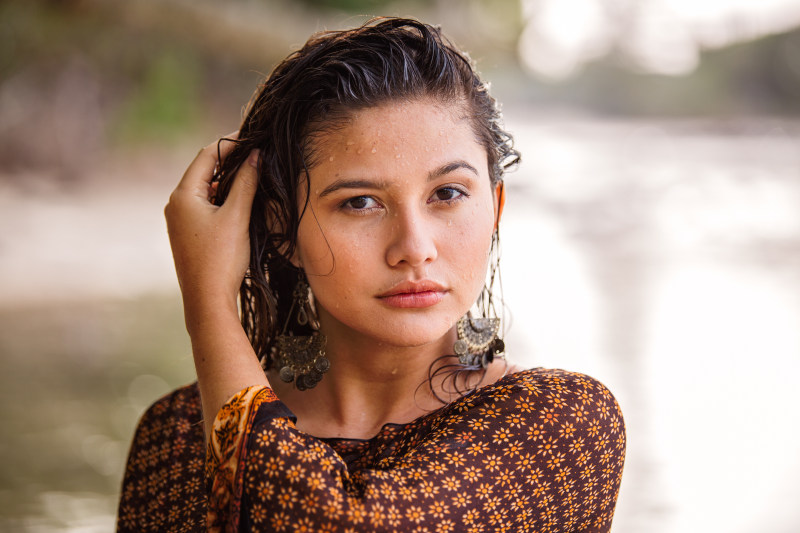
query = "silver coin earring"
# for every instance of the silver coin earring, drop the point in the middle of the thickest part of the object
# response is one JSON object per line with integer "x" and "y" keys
{"x": 478, "y": 343}
{"x": 301, "y": 358}
{"x": 478, "y": 340}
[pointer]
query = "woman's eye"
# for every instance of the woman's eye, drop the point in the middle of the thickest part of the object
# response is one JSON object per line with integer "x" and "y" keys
{"x": 360, "y": 203}
{"x": 447, "y": 194}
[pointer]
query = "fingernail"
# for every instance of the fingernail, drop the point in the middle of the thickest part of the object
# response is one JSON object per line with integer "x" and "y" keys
{"x": 253, "y": 159}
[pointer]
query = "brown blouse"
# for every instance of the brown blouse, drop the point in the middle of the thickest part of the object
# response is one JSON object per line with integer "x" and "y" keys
{"x": 539, "y": 450}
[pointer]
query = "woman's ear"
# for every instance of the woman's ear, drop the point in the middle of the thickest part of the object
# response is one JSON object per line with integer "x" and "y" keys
{"x": 500, "y": 199}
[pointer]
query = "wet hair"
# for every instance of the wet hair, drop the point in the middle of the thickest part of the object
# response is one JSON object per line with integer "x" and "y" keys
{"x": 316, "y": 88}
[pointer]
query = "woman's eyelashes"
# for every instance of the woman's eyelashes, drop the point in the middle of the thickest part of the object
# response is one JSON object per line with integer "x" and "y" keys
{"x": 365, "y": 204}
{"x": 448, "y": 194}
{"x": 361, "y": 204}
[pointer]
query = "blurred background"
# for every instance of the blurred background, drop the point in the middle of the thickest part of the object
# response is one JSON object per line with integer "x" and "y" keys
{"x": 651, "y": 238}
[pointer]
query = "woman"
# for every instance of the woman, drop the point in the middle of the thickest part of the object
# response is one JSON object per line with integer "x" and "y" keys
{"x": 332, "y": 259}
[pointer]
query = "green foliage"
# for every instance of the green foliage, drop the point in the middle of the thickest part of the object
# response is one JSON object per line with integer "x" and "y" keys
{"x": 748, "y": 78}
{"x": 166, "y": 103}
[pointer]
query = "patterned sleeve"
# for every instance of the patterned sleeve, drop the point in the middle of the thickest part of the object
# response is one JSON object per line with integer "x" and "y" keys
{"x": 226, "y": 454}
{"x": 540, "y": 451}
{"x": 162, "y": 489}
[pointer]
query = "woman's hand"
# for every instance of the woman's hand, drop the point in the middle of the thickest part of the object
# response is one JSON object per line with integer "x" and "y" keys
{"x": 210, "y": 244}
{"x": 211, "y": 248}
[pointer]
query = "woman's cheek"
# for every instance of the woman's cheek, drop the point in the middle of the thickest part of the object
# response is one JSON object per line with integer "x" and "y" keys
{"x": 319, "y": 242}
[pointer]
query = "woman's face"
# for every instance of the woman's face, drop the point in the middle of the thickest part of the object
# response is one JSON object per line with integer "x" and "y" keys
{"x": 396, "y": 237}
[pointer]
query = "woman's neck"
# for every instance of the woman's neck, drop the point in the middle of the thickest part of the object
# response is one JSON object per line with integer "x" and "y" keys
{"x": 355, "y": 400}
{"x": 368, "y": 385}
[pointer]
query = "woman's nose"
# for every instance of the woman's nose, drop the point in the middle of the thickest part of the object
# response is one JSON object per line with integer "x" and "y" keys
{"x": 412, "y": 240}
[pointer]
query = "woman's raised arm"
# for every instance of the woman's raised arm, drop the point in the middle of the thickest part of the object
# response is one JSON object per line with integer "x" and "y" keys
{"x": 210, "y": 245}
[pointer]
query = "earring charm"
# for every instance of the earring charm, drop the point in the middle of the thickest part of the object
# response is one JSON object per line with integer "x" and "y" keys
{"x": 478, "y": 343}
{"x": 301, "y": 358}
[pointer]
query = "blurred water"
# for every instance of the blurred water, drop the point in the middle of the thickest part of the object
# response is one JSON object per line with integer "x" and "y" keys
{"x": 661, "y": 257}
{"x": 664, "y": 258}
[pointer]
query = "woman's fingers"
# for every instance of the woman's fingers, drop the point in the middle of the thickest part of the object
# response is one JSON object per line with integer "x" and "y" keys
{"x": 200, "y": 172}
{"x": 210, "y": 244}
{"x": 240, "y": 197}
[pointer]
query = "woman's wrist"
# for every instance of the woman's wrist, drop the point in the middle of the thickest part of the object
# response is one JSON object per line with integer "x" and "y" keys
{"x": 209, "y": 311}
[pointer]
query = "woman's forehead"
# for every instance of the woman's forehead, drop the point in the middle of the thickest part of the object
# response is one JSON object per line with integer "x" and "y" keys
{"x": 401, "y": 124}
{"x": 450, "y": 110}
{"x": 400, "y": 135}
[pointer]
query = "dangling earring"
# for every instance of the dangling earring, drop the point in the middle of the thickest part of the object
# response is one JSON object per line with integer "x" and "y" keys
{"x": 478, "y": 341}
{"x": 301, "y": 358}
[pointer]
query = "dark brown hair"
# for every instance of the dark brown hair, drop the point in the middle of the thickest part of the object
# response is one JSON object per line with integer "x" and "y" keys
{"x": 313, "y": 89}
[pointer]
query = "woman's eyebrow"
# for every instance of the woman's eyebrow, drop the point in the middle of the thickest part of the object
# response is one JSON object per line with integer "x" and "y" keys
{"x": 450, "y": 167}
{"x": 353, "y": 184}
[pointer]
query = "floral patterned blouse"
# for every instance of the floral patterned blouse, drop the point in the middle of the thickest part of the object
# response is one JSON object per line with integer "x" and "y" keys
{"x": 539, "y": 450}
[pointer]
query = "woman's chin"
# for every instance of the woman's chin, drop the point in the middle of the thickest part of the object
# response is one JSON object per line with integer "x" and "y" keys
{"x": 410, "y": 334}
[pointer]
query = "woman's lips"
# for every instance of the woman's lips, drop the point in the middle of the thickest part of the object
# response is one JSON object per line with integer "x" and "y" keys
{"x": 413, "y": 294}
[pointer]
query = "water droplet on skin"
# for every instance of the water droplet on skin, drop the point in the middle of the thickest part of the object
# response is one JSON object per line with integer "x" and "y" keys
{"x": 374, "y": 150}
{"x": 330, "y": 158}
{"x": 398, "y": 156}
{"x": 449, "y": 223}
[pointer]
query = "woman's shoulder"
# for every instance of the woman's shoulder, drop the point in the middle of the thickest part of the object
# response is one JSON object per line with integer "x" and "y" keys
{"x": 546, "y": 398}
{"x": 182, "y": 401}
{"x": 174, "y": 420}
{"x": 163, "y": 484}
{"x": 547, "y": 383}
